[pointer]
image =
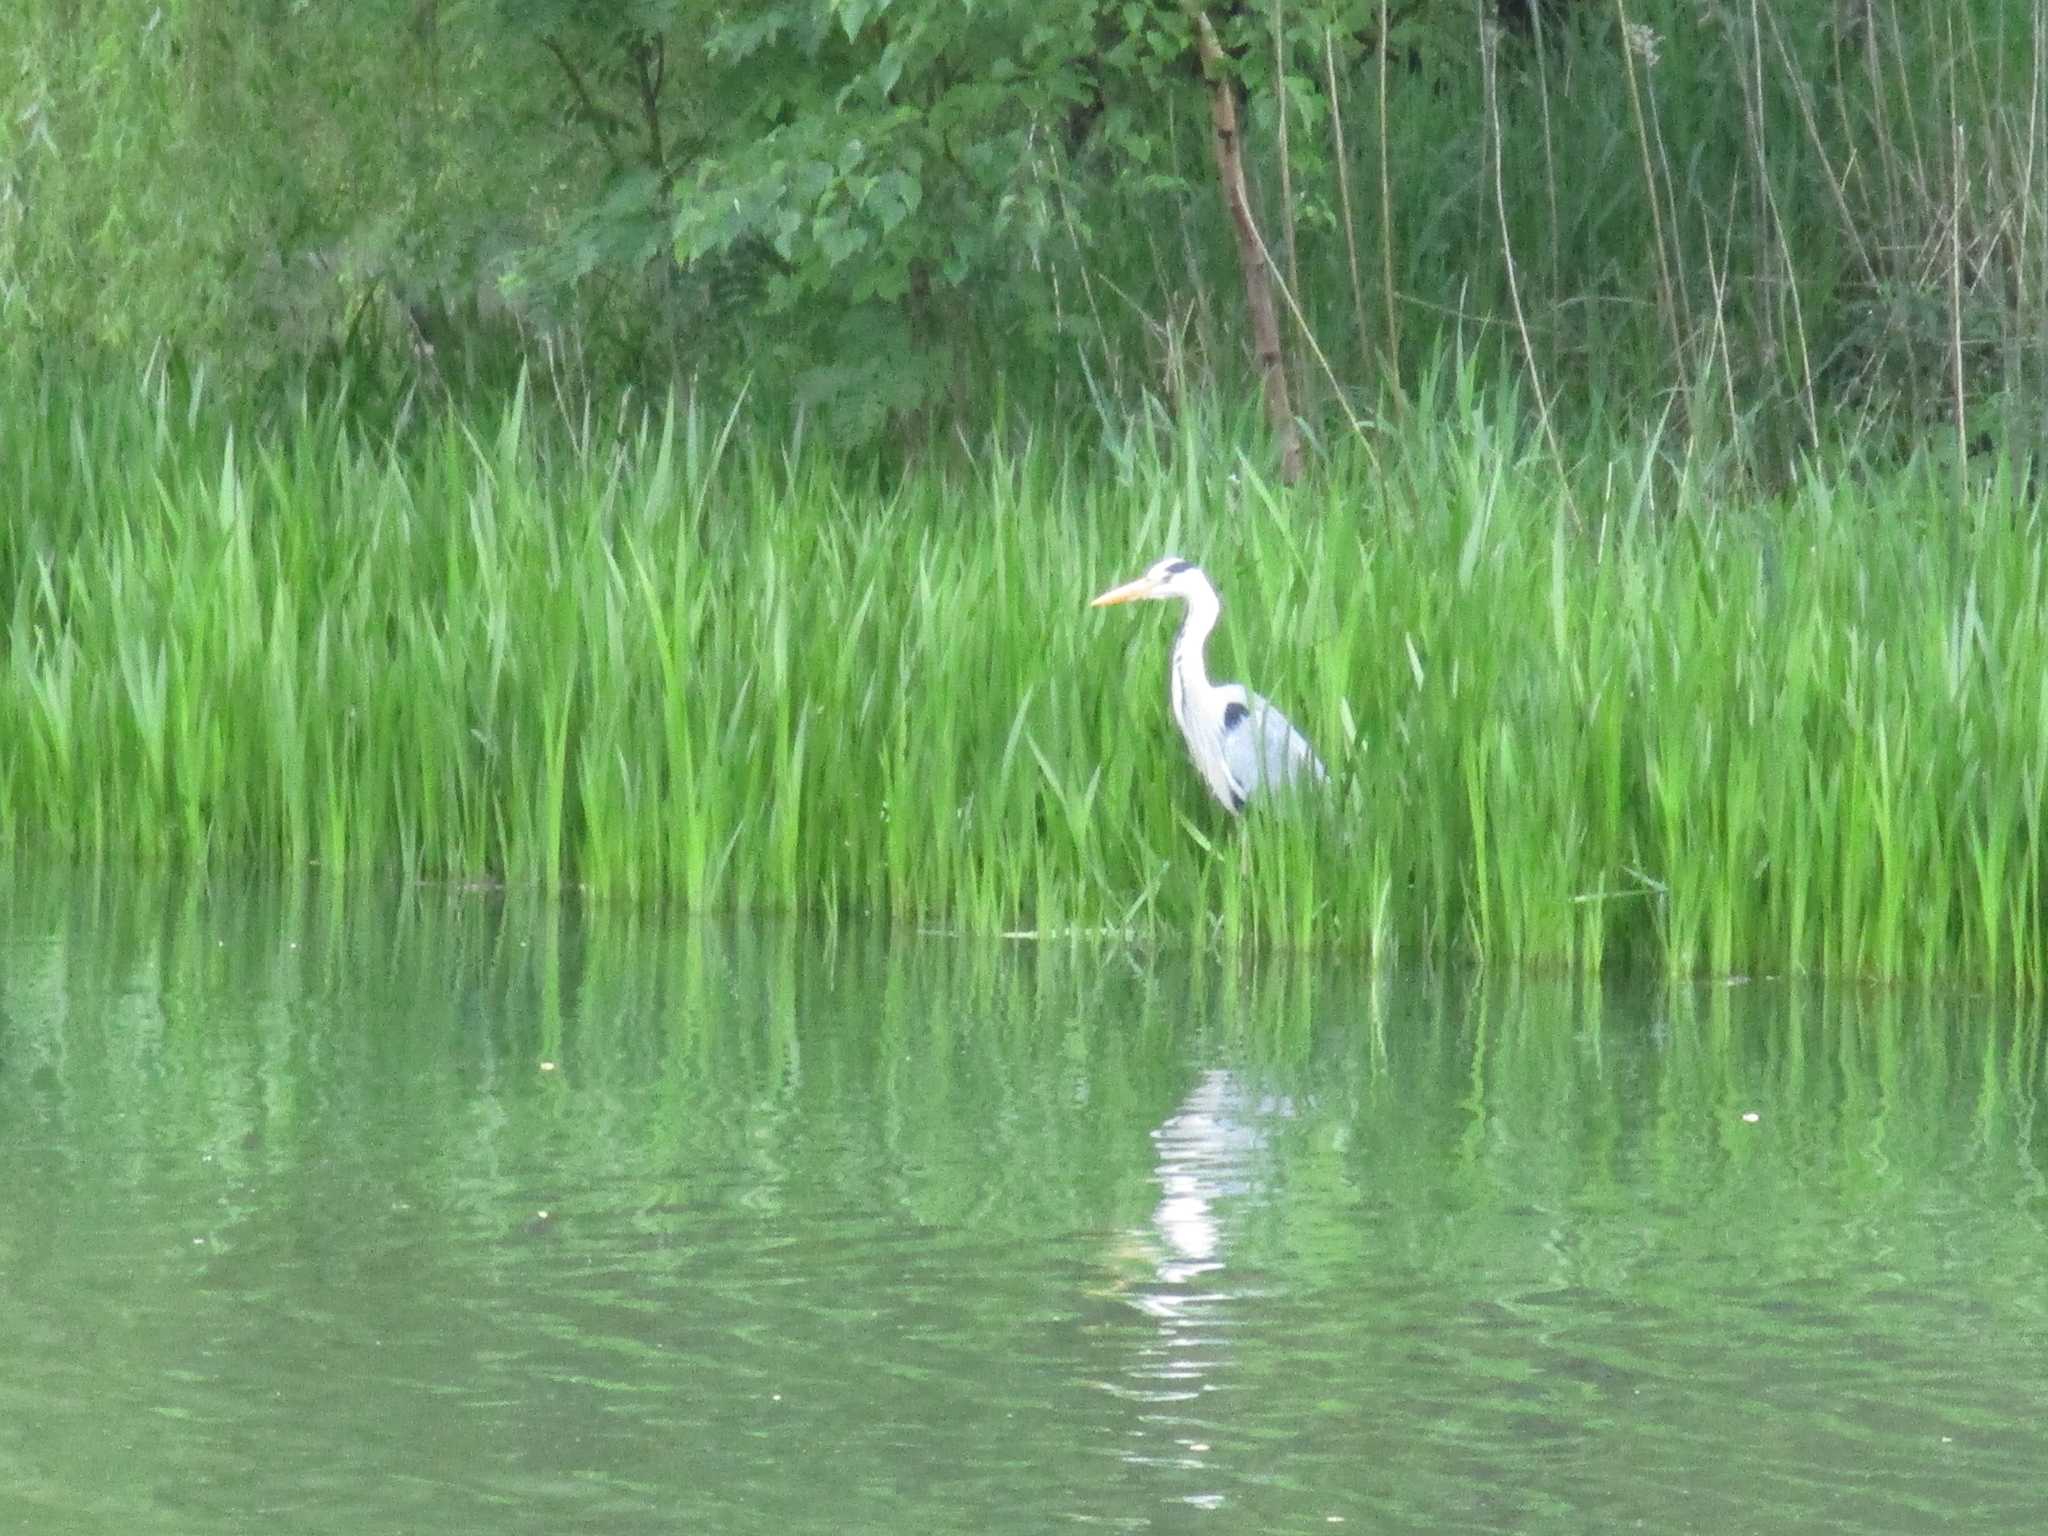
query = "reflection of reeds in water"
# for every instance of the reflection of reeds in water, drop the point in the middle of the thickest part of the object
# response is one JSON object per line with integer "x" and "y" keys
{"x": 977, "y": 1083}
{"x": 1211, "y": 1218}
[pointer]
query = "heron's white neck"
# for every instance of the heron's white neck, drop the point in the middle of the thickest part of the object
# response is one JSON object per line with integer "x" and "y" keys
{"x": 1190, "y": 646}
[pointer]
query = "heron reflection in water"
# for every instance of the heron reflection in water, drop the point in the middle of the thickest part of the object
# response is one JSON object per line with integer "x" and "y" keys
{"x": 1208, "y": 1154}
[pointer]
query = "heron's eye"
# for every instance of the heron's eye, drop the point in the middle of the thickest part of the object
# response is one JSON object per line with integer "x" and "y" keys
{"x": 1176, "y": 567}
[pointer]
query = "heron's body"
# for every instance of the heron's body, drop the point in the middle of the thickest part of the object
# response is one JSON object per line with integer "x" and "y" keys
{"x": 1240, "y": 743}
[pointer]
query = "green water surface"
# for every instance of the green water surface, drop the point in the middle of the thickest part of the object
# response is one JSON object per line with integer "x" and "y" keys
{"x": 444, "y": 1213}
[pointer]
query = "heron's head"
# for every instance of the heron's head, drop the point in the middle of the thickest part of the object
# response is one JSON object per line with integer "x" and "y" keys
{"x": 1171, "y": 577}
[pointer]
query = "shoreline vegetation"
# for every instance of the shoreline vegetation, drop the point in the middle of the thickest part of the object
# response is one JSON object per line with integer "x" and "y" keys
{"x": 1614, "y": 719}
{"x": 666, "y": 452}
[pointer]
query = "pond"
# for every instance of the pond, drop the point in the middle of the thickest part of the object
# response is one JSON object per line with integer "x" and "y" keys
{"x": 444, "y": 1211}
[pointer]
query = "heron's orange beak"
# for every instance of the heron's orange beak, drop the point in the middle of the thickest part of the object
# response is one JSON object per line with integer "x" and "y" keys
{"x": 1129, "y": 592}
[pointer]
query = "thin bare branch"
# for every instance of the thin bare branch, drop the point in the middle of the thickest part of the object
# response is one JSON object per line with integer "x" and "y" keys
{"x": 608, "y": 124}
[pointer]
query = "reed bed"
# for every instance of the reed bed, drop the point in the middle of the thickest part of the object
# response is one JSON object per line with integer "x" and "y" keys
{"x": 1615, "y": 718}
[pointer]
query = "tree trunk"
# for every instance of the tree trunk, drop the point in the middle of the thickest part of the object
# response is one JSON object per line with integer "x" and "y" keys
{"x": 1252, "y": 254}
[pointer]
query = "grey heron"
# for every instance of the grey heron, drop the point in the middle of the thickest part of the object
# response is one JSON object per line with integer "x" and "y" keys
{"x": 1240, "y": 743}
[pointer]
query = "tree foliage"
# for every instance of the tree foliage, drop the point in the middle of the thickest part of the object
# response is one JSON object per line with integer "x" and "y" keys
{"x": 900, "y": 212}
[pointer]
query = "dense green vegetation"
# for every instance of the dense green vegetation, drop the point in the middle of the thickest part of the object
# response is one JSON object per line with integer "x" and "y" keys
{"x": 663, "y": 448}
{"x": 1755, "y": 224}
{"x": 1572, "y": 720}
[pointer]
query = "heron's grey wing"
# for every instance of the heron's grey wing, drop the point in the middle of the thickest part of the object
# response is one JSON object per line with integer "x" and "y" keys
{"x": 1263, "y": 748}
